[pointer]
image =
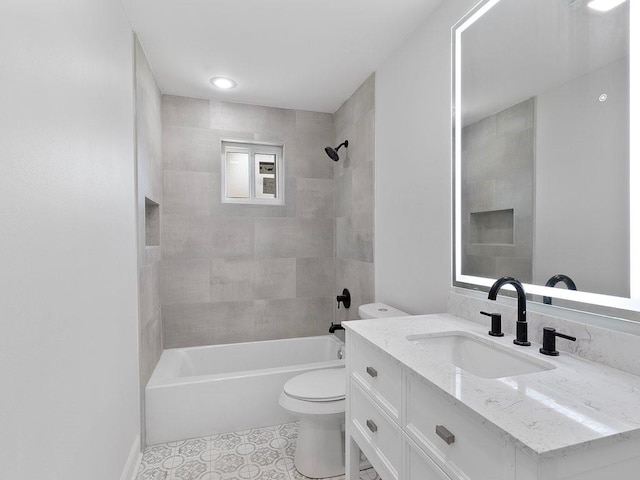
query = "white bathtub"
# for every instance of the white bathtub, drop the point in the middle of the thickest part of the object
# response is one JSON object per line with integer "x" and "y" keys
{"x": 200, "y": 391}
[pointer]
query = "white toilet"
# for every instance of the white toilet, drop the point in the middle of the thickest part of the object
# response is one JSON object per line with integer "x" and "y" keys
{"x": 318, "y": 399}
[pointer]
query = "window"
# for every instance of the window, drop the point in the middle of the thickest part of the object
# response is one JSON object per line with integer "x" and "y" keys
{"x": 252, "y": 173}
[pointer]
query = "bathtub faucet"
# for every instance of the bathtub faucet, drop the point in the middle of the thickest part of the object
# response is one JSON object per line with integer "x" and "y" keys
{"x": 334, "y": 327}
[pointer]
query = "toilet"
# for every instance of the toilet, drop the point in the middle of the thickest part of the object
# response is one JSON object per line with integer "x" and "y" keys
{"x": 317, "y": 398}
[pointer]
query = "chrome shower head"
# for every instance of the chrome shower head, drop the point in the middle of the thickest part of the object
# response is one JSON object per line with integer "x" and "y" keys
{"x": 333, "y": 152}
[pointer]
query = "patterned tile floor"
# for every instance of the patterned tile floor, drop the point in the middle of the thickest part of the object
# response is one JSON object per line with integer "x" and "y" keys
{"x": 258, "y": 454}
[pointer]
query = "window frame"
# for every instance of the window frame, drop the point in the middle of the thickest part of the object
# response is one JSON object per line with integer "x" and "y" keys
{"x": 253, "y": 148}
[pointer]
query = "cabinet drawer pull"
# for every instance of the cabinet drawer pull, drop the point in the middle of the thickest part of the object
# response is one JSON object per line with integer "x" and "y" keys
{"x": 372, "y": 371}
{"x": 445, "y": 434}
{"x": 372, "y": 426}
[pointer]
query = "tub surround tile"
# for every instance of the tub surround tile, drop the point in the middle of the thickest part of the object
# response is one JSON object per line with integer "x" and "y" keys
{"x": 185, "y": 281}
{"x": 293, "y": 237}
{"x": 208, "y": 323}
{"x": 186, "y": 237}
{"x": 149, "y": 293}
{"x": 277, "y": 263}
{"x": 190, "y": 149}
{"x": 248, "y": 279}
{"x": 185, "y": 112}
{"x": 292, "y": 317}
{"x": 276, "y": 123}
{"x": 315, "y": 277}
{"x": 261, "y": 453}
{"x": 354, "y": 209}
{"x": 149, "y": 185}
{"x": 314, "y": 198}
{"x": 358, "y": 278}
{"x": 187, "y": 193}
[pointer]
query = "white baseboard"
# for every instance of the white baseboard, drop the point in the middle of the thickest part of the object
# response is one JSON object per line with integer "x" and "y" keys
{"x": 133, "y": 462}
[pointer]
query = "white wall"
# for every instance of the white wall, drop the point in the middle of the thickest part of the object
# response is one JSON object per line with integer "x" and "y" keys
{"x": 68, "y": 297}
{"x": 413, "y": 167}
{"x": 582, "y": 182}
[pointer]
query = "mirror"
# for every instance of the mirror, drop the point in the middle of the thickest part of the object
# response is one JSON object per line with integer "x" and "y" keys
{"x": 541, "y": 149}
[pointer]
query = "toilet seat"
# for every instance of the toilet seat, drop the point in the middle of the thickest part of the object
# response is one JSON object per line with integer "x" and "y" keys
{"x": 328, "y": 385}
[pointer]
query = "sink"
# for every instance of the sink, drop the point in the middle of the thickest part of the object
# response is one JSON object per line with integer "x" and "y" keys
{"x": 478, "y": 356}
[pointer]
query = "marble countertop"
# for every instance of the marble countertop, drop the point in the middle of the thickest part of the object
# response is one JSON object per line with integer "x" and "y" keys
{"x": 577, "y": 405}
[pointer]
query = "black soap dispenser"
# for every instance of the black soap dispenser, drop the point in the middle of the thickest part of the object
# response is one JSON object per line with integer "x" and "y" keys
{"x": 496, "y": 324}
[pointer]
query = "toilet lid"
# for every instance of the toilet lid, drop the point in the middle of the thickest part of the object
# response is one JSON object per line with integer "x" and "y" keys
{"x": 318, "y": 386}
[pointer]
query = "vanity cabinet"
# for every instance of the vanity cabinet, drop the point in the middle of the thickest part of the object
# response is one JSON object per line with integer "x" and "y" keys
{"x": 410, "y": 429}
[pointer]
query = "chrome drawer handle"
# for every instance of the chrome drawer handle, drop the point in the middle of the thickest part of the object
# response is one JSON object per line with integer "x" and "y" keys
{"x": 372, "y": 426}
{"x": 445, "y": 434}
{"x": 372, "y": 372}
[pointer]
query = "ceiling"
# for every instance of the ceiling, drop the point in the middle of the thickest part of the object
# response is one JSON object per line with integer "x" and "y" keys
{"x": 299, "y": 54}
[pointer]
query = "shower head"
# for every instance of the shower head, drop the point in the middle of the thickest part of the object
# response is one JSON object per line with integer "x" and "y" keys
{"x": 333, "y": 152}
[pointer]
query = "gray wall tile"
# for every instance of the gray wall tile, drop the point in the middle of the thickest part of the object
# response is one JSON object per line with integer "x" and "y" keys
{"x": 208, "y": 323}
{"x": 293, "y": 317}
{"x": 149, "y": 293}
{"x": 252, "y": 252}
{"x": 358, "y": 277}
{"x": 355, "y": 180}
{"x": 315, "y": 277}
{"x": 185, "y": 237}
{"x": 190, "y": 149}
{"x": 185, "y": 281}
{"x": 271, "y": 271}
{"x": 187, "y": 193}
{"x": 233, "y": 237}
{"x": 314, "y": 198}
{"x": 248, "y": 279}
{"x": 293, "y": 237}
{"x": 148, "y": 124}
{"x": 498, "y": 162}
{"x": 185, "y": 112}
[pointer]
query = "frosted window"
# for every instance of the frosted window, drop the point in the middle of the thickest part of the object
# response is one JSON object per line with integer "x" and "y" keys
{"x": 237, "y": 170}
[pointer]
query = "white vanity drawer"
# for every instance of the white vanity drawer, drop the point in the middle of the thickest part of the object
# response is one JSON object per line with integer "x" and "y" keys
{"x": 419, "y": 466}
{"x": 378, "y": 374}
{"x": 376, "y": 433}
{"x": 475, "y": 451}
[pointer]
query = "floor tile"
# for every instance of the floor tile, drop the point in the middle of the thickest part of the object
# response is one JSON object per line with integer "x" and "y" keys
{"x": 265, "y": 453}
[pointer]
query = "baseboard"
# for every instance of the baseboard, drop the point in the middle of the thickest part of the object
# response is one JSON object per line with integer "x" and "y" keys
{"x": 133, "y": 461}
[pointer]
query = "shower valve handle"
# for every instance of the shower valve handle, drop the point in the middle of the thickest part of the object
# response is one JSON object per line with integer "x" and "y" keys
{"x": 345, "y": 298}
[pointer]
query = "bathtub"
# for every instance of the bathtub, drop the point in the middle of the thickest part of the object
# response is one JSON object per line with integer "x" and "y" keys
{"x": 199, "y": 391}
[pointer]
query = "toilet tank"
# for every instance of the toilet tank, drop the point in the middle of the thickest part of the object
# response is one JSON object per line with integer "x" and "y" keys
{"x": 379, "y": 310}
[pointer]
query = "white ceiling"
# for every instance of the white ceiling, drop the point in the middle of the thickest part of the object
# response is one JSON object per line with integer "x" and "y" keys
{"x": 301, "y": 54}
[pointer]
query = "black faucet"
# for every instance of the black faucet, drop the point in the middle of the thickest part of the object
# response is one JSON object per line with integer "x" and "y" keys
{"x": 560, "y": 277}
{"x": 521, "y": 324}
{"x": 334, "y": 327}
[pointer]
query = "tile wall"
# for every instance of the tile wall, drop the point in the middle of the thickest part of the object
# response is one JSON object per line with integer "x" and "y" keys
{"x": 354, "y": 208}
{"x": 237, "y": 273}
{"x": 498, "y": 175}
{"x": 149, "y": 185}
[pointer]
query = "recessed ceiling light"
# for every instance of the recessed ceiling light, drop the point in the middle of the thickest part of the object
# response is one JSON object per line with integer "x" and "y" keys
{"x": 223, "y": 83}
{"x": 604, "y": 5}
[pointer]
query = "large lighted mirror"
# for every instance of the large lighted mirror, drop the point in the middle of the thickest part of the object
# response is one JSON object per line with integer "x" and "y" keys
{"x": 544, "y": 185}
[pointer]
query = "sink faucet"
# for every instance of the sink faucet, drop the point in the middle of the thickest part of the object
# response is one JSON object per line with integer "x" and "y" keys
{"x": 521, "y": 324}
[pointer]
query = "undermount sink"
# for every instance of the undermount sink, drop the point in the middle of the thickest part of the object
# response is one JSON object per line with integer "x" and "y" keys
{"x": 478, "y": 356}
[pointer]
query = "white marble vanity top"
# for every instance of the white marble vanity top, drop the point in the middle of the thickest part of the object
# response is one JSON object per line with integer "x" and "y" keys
{"x": 577, "y": 405}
